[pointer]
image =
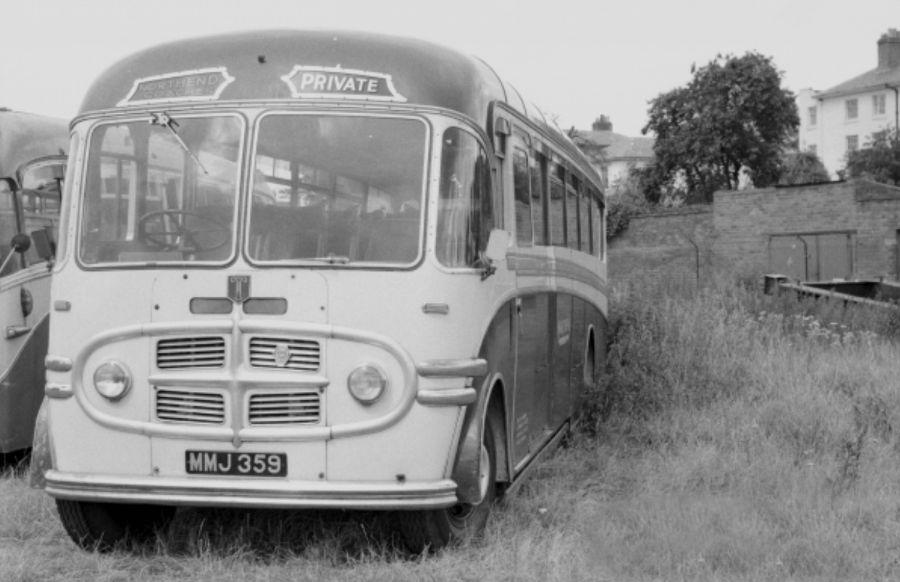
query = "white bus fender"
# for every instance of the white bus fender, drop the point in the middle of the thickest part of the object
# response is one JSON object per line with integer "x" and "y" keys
{"x": 467, "y": 469}
{"x": 41, "y": 455}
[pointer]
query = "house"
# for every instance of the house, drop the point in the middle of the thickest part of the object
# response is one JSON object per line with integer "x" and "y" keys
{"x": 612, "y": 154}
{"x": 844, "y": 117}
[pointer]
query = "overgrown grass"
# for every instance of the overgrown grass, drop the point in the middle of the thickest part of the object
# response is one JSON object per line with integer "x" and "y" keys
{"x": 760, "y": 436}
{"x": 735, "y": 437}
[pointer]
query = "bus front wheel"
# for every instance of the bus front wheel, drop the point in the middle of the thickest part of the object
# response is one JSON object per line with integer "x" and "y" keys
{"x": 103, "y": 526}
{"x": 436, "y": 528}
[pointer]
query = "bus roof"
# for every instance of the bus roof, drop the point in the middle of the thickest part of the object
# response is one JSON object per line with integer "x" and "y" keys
{"x": 275, "y": 65}
{"x": 26, "y": 136}
{"x": 422, "y": 72}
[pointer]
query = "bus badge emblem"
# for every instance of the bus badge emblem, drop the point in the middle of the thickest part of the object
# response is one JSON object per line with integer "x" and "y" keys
{"x": 239, "y": 288}
{"x": 195, "y": 85}
{"x": 282, "y": 355}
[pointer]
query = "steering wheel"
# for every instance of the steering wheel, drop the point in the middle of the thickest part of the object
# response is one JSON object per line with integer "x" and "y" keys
{"x": 173, "y": 234}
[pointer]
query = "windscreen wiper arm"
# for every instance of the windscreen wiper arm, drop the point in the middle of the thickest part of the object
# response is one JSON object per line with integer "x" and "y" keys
{"x": 163, "y": 119}
{"x": 331, "y": 259}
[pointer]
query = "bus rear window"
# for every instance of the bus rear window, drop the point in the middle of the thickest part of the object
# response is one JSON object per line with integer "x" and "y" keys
{"x": 338, "y": 189}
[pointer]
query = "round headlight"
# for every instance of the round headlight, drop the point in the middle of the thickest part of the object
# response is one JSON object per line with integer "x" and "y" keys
{"x": 112, "y": 380}
{"x": 367, "y": 383}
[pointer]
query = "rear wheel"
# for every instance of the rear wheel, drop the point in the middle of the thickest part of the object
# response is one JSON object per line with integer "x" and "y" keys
{"x": 103, "y": 526}
{"x": 436, "y": 528}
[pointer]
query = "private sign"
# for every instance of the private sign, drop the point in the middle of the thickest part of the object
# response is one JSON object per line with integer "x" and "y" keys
{"x": 335, "y": 82}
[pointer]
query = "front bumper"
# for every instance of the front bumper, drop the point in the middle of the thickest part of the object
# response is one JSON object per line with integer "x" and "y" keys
{"x": 275, "y": 493}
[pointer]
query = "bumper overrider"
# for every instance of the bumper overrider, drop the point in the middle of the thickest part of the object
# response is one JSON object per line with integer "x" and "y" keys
{"x": 254, "y": 492}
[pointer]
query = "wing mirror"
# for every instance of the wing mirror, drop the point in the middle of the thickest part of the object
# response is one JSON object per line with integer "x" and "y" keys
{"x": 498, "y": 242}
{"x": 43, "y": 245}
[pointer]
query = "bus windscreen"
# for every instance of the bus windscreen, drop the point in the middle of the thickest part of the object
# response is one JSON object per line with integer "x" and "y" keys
{"x": 161, "y": 191}
{"x": 337, "y": 189}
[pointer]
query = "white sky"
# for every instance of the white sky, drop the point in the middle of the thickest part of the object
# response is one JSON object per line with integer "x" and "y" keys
{"x": 575, "y": 59}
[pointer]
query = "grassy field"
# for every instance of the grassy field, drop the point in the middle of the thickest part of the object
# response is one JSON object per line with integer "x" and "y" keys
{"x": 737, "y": 437}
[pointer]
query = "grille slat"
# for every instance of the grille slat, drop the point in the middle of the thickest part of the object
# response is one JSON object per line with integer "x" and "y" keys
{"x": 304, "y": 355}
{"x": 191, "y": 352}
{"x": 284, "y": 408}
{"x": 190, "y": 406}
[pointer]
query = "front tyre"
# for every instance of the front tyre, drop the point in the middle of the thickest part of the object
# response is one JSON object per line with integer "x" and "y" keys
{"x": 436, "y": 528}
{"x": 103, "y": 526}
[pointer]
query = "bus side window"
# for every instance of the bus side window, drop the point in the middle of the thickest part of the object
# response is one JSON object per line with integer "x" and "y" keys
{"x": 557, "y": 215}
{"x": 524, "y": 228}
{"x": 598, "y": 226}
{"x": 572, "y": 224}
{"x": 40, "y": 195}
{"x": 8, "y": 226}
{"x": 465, "y": 210}
{"x": 584, "y": 215}
{"x": 538, "y": 171}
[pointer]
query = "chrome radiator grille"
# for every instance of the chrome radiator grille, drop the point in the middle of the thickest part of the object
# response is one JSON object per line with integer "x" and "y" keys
{"x": 190, "y": 352}
{"x": 287, "y": 353}
{"x": 293, "y": 407}
{"x": 191, "y": 406}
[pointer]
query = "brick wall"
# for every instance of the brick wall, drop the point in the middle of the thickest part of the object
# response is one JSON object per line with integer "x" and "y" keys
{"x": 673, "y": 244}
{"x": 734, "y": 233}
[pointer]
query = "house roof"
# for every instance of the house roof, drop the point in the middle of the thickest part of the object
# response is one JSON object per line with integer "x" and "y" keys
{"x": 875, "y": 79}
{"x": 615, "y": 146}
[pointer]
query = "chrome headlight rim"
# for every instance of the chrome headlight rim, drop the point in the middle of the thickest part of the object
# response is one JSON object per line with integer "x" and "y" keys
{"x": 367, "y": 383}
{"x": 107, "y": 375}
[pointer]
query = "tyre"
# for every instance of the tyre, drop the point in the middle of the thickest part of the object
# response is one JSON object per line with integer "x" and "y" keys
{"x": 434, "y": 529}
{"x": 103, "y": 526}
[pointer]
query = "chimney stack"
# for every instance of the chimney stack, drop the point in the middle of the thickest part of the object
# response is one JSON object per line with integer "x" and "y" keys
{"x": 602, "y": 123}
{"x": 889, "y": 49}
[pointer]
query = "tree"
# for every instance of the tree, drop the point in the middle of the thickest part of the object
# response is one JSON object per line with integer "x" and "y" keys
{"x": 878, "y": 160}
{"x": 802, "y": 168}
{"x": 728, "y": 125}
{"x": 624, "y": 200}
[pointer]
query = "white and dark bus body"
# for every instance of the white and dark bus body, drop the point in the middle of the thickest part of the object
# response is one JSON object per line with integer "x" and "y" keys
{"x": 32, "y": 168}
{"x": 314, "y": 270}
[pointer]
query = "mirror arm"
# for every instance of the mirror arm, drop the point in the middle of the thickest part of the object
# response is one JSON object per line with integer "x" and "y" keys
{"x": 12, "y": 253}
{"x": 487, "y": 268}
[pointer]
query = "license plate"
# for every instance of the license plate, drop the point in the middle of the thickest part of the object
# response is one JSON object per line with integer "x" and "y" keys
{"x": 231, "y": 463}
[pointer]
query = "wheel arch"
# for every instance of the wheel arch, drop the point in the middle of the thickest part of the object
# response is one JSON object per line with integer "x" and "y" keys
{"x": 467, "y": 467}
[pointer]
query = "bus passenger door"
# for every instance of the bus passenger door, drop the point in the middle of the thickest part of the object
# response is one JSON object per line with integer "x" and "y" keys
{"x": 530, "y": 260}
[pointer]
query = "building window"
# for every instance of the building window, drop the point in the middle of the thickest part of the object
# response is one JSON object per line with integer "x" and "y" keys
{"x": 852, "y": 108}
{"x": 812, "y": 149}
{"x": 813, "y": 111}
{"x": 878, "y": 104}
{"x": 852, "y": 143}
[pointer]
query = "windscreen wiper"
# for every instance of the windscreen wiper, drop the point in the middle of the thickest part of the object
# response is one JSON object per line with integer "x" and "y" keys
{"x": 331, "y": 259}
{"x": 163, "y": 119}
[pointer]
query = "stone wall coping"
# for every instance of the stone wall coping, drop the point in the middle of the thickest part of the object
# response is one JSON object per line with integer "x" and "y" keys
{"x": 679, "y": 211}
